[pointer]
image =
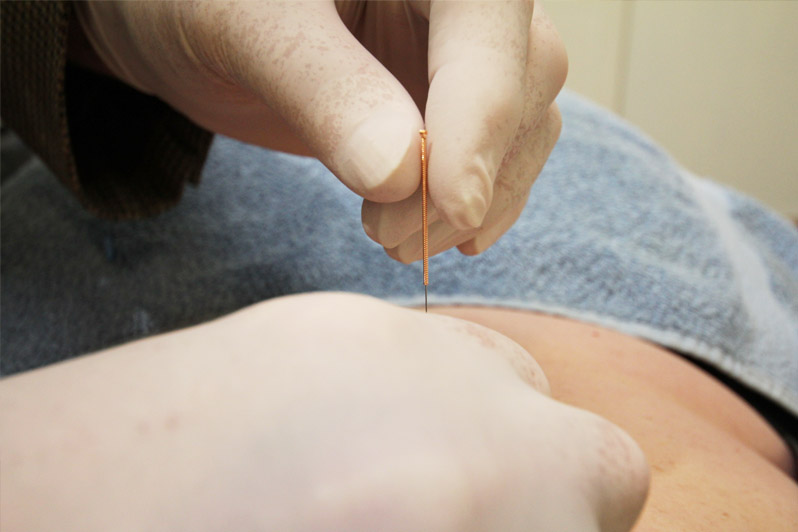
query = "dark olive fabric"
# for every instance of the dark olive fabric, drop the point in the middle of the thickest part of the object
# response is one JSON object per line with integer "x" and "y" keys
{"x": 122, "y": 153}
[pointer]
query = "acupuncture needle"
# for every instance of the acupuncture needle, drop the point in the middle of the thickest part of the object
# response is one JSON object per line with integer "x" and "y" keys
{"x": 424, "y": 234}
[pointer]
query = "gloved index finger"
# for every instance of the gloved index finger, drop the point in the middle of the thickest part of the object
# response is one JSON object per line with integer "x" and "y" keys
{"x": 477, "y": 64}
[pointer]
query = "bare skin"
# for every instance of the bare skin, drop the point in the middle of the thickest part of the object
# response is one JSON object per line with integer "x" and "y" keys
{"x": 715, "y": 463}
{"x": 330, "y": 412}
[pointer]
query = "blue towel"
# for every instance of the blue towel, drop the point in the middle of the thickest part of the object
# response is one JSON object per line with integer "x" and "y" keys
{"x": 615, "y": 233}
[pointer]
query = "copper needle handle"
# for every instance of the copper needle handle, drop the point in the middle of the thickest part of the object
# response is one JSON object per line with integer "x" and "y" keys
{"x": 424, "y": 233}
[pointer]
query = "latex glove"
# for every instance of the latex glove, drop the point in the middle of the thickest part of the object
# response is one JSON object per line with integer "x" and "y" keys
{"x": 309, "y": 413}
{"x": 492, "y": 124}
{"x": 293, "y": 76}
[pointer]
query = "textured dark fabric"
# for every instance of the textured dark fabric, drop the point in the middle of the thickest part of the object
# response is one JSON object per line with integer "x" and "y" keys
{"x": 134, "y": 153}
{"x": 33, "y": 59}
{"x": 122, "y": 153}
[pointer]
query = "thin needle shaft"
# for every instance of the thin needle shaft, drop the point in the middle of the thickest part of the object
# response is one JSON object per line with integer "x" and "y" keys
{"x": 424, "y": 233}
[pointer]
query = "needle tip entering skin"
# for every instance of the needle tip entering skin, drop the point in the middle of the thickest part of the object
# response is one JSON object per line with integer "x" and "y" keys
{"x": 425, "y": 298}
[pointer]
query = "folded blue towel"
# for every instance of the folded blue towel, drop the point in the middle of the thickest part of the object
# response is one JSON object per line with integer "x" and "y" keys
{"x": 615, "y": 233}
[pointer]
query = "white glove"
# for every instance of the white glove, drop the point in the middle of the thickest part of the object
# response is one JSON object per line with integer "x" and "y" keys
{"x": 348, "y": 88}
{"x": 311, "y": 413}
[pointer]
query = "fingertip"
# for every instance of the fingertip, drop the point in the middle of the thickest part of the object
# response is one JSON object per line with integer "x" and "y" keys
{"x": 464, "y": 209}
{"x": 479, "y": 244}
{"x": 370, "y": 219}
{"x": 470, "y": 248}
{"x": 379, "y": 160}
{"x": 493, "y": 231}
{"x": 555, "y": 121}
{"x": 397, "y": 255}
{"x": 390, "y": 224}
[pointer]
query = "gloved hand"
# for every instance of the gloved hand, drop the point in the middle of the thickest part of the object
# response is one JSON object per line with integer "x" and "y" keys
{"x": 349, "y": 86}
{"x": 309, "y": 413}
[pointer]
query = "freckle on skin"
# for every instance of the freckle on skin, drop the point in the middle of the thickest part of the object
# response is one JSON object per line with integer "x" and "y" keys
{"x": 480, "y": 334}
{"x": 172, "y": 422}
{"x": 525, "y": 370}
{"x": 616, "y": 458}
{"x": 143, "y": 428}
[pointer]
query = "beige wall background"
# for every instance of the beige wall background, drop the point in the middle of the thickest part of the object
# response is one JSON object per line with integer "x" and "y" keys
{"x": 714, "y": 81}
